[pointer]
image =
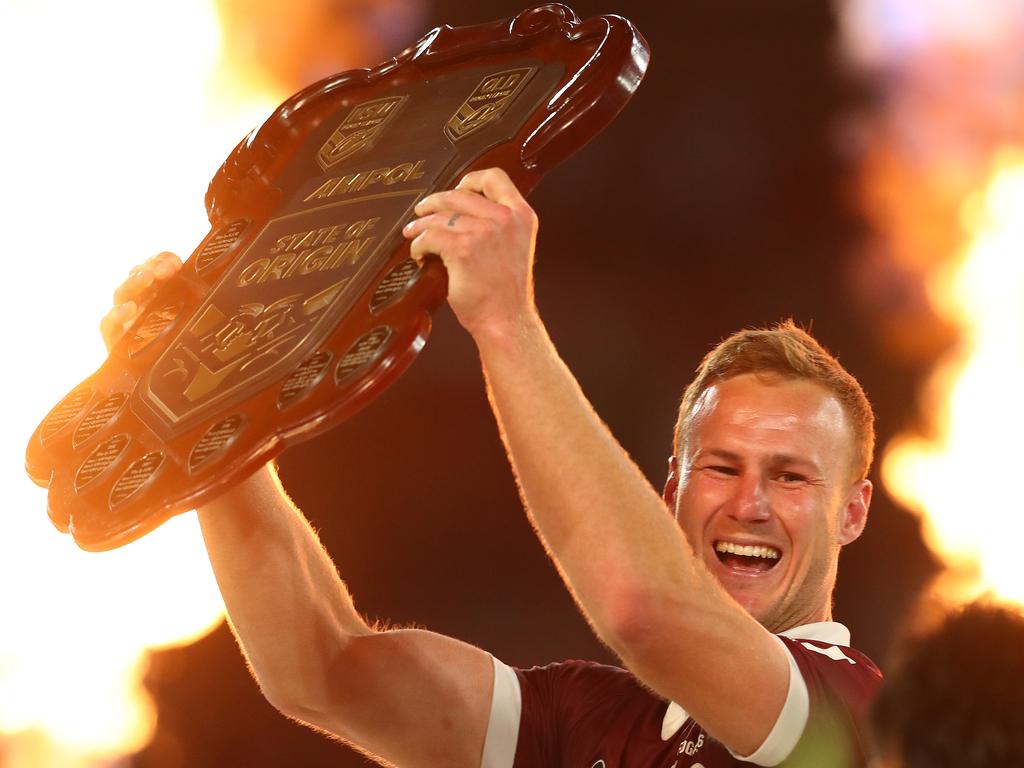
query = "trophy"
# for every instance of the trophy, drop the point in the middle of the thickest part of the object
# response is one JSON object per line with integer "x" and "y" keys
{"x": 301, "y": 304}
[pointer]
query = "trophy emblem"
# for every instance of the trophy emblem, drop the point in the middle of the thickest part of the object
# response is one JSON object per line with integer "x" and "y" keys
{"x": 487, "y": 102}
{"x": 358, "y": 130}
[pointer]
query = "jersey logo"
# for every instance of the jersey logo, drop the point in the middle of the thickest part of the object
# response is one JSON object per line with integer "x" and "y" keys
{"x": 690, "y": 747}
{"x": 832, "y": 652}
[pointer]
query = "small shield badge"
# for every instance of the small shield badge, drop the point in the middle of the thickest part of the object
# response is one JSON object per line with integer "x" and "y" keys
{"x": 359, "y": 129}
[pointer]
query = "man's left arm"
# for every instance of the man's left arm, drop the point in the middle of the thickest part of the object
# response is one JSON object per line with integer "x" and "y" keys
{"x": 614, "y": 540}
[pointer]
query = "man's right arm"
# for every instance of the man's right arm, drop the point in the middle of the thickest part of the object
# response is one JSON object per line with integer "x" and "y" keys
{"x": 409, "y": 697}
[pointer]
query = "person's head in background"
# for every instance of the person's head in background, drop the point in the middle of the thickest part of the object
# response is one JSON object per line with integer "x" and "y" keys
{"x": 955, "y": 696}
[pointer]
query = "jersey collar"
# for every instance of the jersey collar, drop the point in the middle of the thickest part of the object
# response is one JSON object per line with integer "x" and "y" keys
{"x": 831, "y": 632}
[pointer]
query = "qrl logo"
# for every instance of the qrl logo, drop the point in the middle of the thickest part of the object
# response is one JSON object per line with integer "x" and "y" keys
{"x": 488, "y": 101}
{"x": 501, "y": 82}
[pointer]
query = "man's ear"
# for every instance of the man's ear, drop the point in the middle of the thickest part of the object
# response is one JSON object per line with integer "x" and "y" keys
{"x": 854, "y": 515}
{"x": 671, "y": 484}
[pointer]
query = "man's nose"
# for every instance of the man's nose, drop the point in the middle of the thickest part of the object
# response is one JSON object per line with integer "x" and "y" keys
{"x": 750, "y": 503}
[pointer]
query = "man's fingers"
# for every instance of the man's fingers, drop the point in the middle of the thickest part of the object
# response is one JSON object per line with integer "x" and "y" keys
{"x": 116, "y": 321}
{"x": 138, "y": 283}
{"x": 142, "y": 277}
{"x": 479, "y": 193}
{"x": 435, "y": 242}
{"x": 458, "y": 201}
{"x": 494, "y": 184}
{"x": 165, "y": 264}
{"x": 134, "y": 292}
{"x": 165, "y": 269}
{"x": 451, "y": 221}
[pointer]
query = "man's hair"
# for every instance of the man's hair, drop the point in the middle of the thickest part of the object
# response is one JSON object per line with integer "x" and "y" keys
{"x": 787, "y": 351}
{"x": 954, "y": 696}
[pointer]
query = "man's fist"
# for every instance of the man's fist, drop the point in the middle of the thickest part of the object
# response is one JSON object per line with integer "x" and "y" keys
{"x": 134, "y": 293}
{"x": 485, "y": 232}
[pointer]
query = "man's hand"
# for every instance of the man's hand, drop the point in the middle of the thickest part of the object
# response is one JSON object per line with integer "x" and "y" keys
{"x": 485, "y": 232}
{"x": 134, "y": 293}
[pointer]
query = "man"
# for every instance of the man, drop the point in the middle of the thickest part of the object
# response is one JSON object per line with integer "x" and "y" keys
{"x": 954, "y": 697}
{"x": 767, "y": 484}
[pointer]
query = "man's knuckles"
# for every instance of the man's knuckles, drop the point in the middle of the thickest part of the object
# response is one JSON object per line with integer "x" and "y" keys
{"x": 134, "y": 286}
{"x": 116, "y": 321}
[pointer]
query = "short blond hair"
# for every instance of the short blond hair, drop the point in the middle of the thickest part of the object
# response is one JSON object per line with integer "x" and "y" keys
{"x": 787, "y": 351}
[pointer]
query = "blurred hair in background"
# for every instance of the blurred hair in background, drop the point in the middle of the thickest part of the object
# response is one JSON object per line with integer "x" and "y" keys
{"x": 954, "y": 696}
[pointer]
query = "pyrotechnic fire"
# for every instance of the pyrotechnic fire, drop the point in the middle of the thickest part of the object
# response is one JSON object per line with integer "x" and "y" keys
{"x": 951, "y": 75}
{"x": 118, "y": 112}
{"x": 964, "y": 480}
{"x": 117, "y": 119}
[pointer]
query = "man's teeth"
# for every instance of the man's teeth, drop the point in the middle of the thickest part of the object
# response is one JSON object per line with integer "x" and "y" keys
{"x": 771, "y": 553}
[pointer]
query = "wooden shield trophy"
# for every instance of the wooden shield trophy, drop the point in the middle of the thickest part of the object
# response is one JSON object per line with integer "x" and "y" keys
{"x": 302, "y": 304}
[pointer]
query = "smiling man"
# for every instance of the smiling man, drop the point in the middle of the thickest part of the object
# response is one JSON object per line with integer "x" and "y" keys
{"x": 715, "y": 595}
{"x": 728, "y": 633}
{"x": 721, "y": 612}
{"x": 775, "y": 439}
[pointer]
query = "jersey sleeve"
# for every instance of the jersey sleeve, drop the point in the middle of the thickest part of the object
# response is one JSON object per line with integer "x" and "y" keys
{"x": 535, "y": 713}
{"x": 789, "y": 726}
{"x": 503, "y": 721}
{"x": 840, "y": 685}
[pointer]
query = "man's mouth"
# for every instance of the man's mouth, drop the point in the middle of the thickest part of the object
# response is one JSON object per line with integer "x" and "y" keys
{"x": 756, "y": 558}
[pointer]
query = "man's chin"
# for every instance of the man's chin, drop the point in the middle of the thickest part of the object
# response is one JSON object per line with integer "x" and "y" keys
{"x": 758, "y": 605}
{"x": 759, "y": 594}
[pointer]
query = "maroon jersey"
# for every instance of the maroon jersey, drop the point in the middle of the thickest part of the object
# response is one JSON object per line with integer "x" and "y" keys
{"x": 580, "y": 714}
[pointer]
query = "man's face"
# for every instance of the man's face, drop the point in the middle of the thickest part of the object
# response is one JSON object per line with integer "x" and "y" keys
{"x": 766, "y": 495}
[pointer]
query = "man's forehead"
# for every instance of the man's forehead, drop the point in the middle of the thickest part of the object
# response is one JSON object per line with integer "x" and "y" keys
{"x": 770, "y": 404}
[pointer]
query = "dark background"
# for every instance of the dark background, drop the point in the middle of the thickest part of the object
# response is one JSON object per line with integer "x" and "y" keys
{"x": 720, "y": 198}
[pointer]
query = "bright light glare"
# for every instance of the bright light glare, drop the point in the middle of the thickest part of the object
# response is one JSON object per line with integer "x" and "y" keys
{"x": 964, "y": 479}
{"x": 115, "y": 118}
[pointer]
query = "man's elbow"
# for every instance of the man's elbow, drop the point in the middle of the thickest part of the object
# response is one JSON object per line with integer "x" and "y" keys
{"x": 311, "y": 694}
{"x": 633, "y": 620}
{"x": 332, "y": 693}
{"x": 309, "y": 709}
{"x": 292, "y": 701}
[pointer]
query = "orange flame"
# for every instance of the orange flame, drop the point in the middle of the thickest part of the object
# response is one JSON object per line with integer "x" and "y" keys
{"x": 943, "y": 180}
{"x": 963, "y": 480}
{"x": 113, "y": 136}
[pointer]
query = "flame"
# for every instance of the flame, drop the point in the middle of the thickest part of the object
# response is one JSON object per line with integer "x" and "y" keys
{"x": 943, "y": 181}
{"x": 118, "y": 113}
{"x": 961, "y": 479}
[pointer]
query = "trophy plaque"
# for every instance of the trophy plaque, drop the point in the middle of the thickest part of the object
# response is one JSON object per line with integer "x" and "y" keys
{"x": 301, "y": 304}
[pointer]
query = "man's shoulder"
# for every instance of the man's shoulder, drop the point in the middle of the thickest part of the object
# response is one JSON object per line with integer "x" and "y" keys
{"x": 584, "y": 713}
{"x": 576, "y": 667}
{"x": 818, "y": 649}
{"x": 588, "y": 688}
{"x": 827, "y": 645}
{"x": 840, "y": 683}
{"x": 582, "y": 675}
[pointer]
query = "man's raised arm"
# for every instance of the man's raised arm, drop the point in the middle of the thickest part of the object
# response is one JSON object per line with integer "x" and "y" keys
{"x": 616, "y": 545}
{"x": 409, "y": 697}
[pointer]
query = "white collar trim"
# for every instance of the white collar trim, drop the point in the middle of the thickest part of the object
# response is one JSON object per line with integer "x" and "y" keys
{"x": 831, "y": 632}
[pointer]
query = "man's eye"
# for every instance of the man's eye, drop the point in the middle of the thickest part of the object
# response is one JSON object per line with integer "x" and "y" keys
{"x": 790, "y": 477}
{"x": 721, "y": 469}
